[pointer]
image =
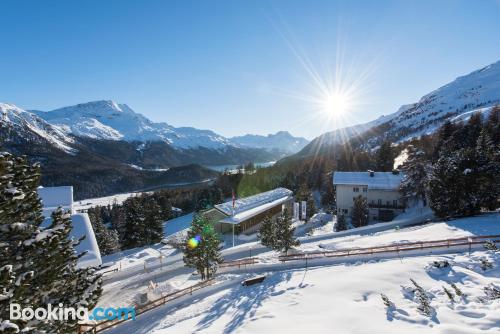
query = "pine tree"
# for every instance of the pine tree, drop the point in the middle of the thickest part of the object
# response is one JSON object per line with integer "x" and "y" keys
{"x": 453, "y": 190}
{"x": 107, "y": 239}
{"x": 285, "y": 239}
{"x": 487, "y": 173}
{"x": 360, "y": 212}
{"x": 38, "y": 265}
{"x": 202, "y": 247}
{"x": 266, "y": 233}
{"x": 385, "y": 157}
{"x": 416, "y": 175}
{"x": 341, "y": 224}
{"x": 153, "y": 223}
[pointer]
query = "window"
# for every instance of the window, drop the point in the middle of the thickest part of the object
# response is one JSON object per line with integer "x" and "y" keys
{"x": 395, "y": 203}
{"x": 365, "y": 190}
{"x": 379, "y": 202}
{"x": 355, "y": 189}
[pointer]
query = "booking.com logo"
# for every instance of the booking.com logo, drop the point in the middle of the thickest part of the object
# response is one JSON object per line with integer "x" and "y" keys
{"x": 61, "y": 313}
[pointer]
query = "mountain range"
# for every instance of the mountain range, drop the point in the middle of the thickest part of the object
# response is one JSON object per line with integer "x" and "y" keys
{"x": 478, "y": 91}
{"x": 103, "y": 147}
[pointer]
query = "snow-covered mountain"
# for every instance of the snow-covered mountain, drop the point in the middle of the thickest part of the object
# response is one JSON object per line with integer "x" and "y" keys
{"x": 112, "y": 121}
{"x": 474, "y": 92}
{"x": 17, "y": 123}
{"x": 282, "y": 141}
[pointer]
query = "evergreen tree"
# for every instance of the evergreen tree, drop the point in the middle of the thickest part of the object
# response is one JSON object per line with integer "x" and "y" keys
{"x": 385, "y": 157}
{"x": 38, "y": 265}
{"x": 202, "y": 247}
{"x": 487, "y": 173}
{"x": 107, "y": 239}
{"x": 284, "y": 235}
{"x": 153, "y": 223}
{"x": 131, "y": 233}
{"x": 341, "y": 224}
{"x": 416, "y": 175}
{"x": 360, "y": 212}
{"x": 266, "y": 233}
{"x": 453, "y": 190}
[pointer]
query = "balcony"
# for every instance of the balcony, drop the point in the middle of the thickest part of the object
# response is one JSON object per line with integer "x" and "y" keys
{"x": 386, "y": 206}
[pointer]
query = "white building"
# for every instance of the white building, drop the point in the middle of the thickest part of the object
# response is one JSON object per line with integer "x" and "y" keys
{"x": 381, "y": 190}
{"x": 54, "y": 197}
{"x": 247, "y": 213}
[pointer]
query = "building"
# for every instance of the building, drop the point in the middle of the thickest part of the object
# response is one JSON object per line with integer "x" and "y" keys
{"x": 381, "y": 190}
{"x": 247, "y": 213}
{"x": 54, "y": 197}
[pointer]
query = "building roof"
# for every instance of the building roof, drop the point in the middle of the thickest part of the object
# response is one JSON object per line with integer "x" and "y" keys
{"x": 248, "y": 207}
{"x": 379, "y": 180}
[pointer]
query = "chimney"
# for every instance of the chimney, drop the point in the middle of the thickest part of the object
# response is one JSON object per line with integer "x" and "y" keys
{"x": 372, "y": 173}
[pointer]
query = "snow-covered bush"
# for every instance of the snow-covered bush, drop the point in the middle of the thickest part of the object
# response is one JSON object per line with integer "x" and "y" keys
{"x": 423, "y": 300}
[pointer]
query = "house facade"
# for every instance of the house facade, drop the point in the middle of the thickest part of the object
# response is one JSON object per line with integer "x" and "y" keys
{"x": 380, "y": 189}
{"x": 247, "y": 213}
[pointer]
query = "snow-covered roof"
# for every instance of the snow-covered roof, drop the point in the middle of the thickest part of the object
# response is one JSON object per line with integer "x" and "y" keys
{"x": 53, "y": 197}
{"x": 81, "y": 226}
{"x": 247, "y": 207}
{"x": 379, "y": 180}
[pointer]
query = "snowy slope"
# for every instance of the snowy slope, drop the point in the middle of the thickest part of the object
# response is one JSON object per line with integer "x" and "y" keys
{"x": 112, "y": 121}
{"x": 477, "y": 91}
{"x": 29, "y": 126}
{"x": 281, "y": 140}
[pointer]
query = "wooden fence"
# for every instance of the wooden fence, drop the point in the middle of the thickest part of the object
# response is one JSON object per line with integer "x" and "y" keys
{"x": 401, "y": 247}
{"x": 107, "y": 324}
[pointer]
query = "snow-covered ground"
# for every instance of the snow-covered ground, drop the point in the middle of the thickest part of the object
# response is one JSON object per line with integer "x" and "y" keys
{"x": 85, "y": 204}
{"x": 341, "y": 299}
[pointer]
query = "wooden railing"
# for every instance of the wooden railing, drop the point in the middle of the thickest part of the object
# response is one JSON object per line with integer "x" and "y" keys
{"x": 401, "y": 247}
{"x": 107, "y": 324}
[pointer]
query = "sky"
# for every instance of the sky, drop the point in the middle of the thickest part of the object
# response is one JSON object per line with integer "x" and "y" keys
{"x": 238, "y": 67}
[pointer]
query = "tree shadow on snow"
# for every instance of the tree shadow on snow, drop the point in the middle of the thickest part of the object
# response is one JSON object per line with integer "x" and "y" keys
{"x": 242, "y": 302}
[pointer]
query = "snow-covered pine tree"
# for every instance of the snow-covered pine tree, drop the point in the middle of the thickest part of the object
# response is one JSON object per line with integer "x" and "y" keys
{"x": 266, "y": 233}
{"x": 453, "y": 191}
{"x": 107, "y": 239}
{"x": 202, "y": 247}
{"x": 284, "y": 234}
{"x": 341, "y": 224}
{"x": 360, "y": 212}
{"x": 416, "y": 175}
{"x": 37, "y": 264}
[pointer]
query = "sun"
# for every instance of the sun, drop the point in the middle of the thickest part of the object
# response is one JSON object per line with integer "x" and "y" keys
{"x": 335, "y": 104}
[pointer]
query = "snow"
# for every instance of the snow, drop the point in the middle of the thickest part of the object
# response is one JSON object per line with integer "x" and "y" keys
{"x": 255, "y": 201}
{"x": 85, "y": 204}
{"x": 82, "y": 227}
{"x": 177, "y": 225}
{"x": 488, "y": 224}
{"x": 112, "y": 121}
{"x": 342, "y": 299}
{"x": 379, "y": 180}
{"x": 25, "y": 123}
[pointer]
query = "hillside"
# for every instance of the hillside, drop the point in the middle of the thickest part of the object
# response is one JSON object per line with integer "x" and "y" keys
{"x": 478, "y": 90}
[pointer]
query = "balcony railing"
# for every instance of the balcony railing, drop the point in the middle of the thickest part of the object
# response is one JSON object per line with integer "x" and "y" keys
{"x": 386, "y": 206}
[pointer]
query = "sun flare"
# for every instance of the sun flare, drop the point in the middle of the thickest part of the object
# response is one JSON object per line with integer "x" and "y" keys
{"x": 335, "y": 104}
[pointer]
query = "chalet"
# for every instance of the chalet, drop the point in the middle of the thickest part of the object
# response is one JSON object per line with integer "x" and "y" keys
{"x": 381, "y": 190}
{"x": 247, "y": 213}
{"x": 54, "y": 197}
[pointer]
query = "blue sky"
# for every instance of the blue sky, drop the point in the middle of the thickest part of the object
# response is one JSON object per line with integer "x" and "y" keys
{"x": 240, "y": 67}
